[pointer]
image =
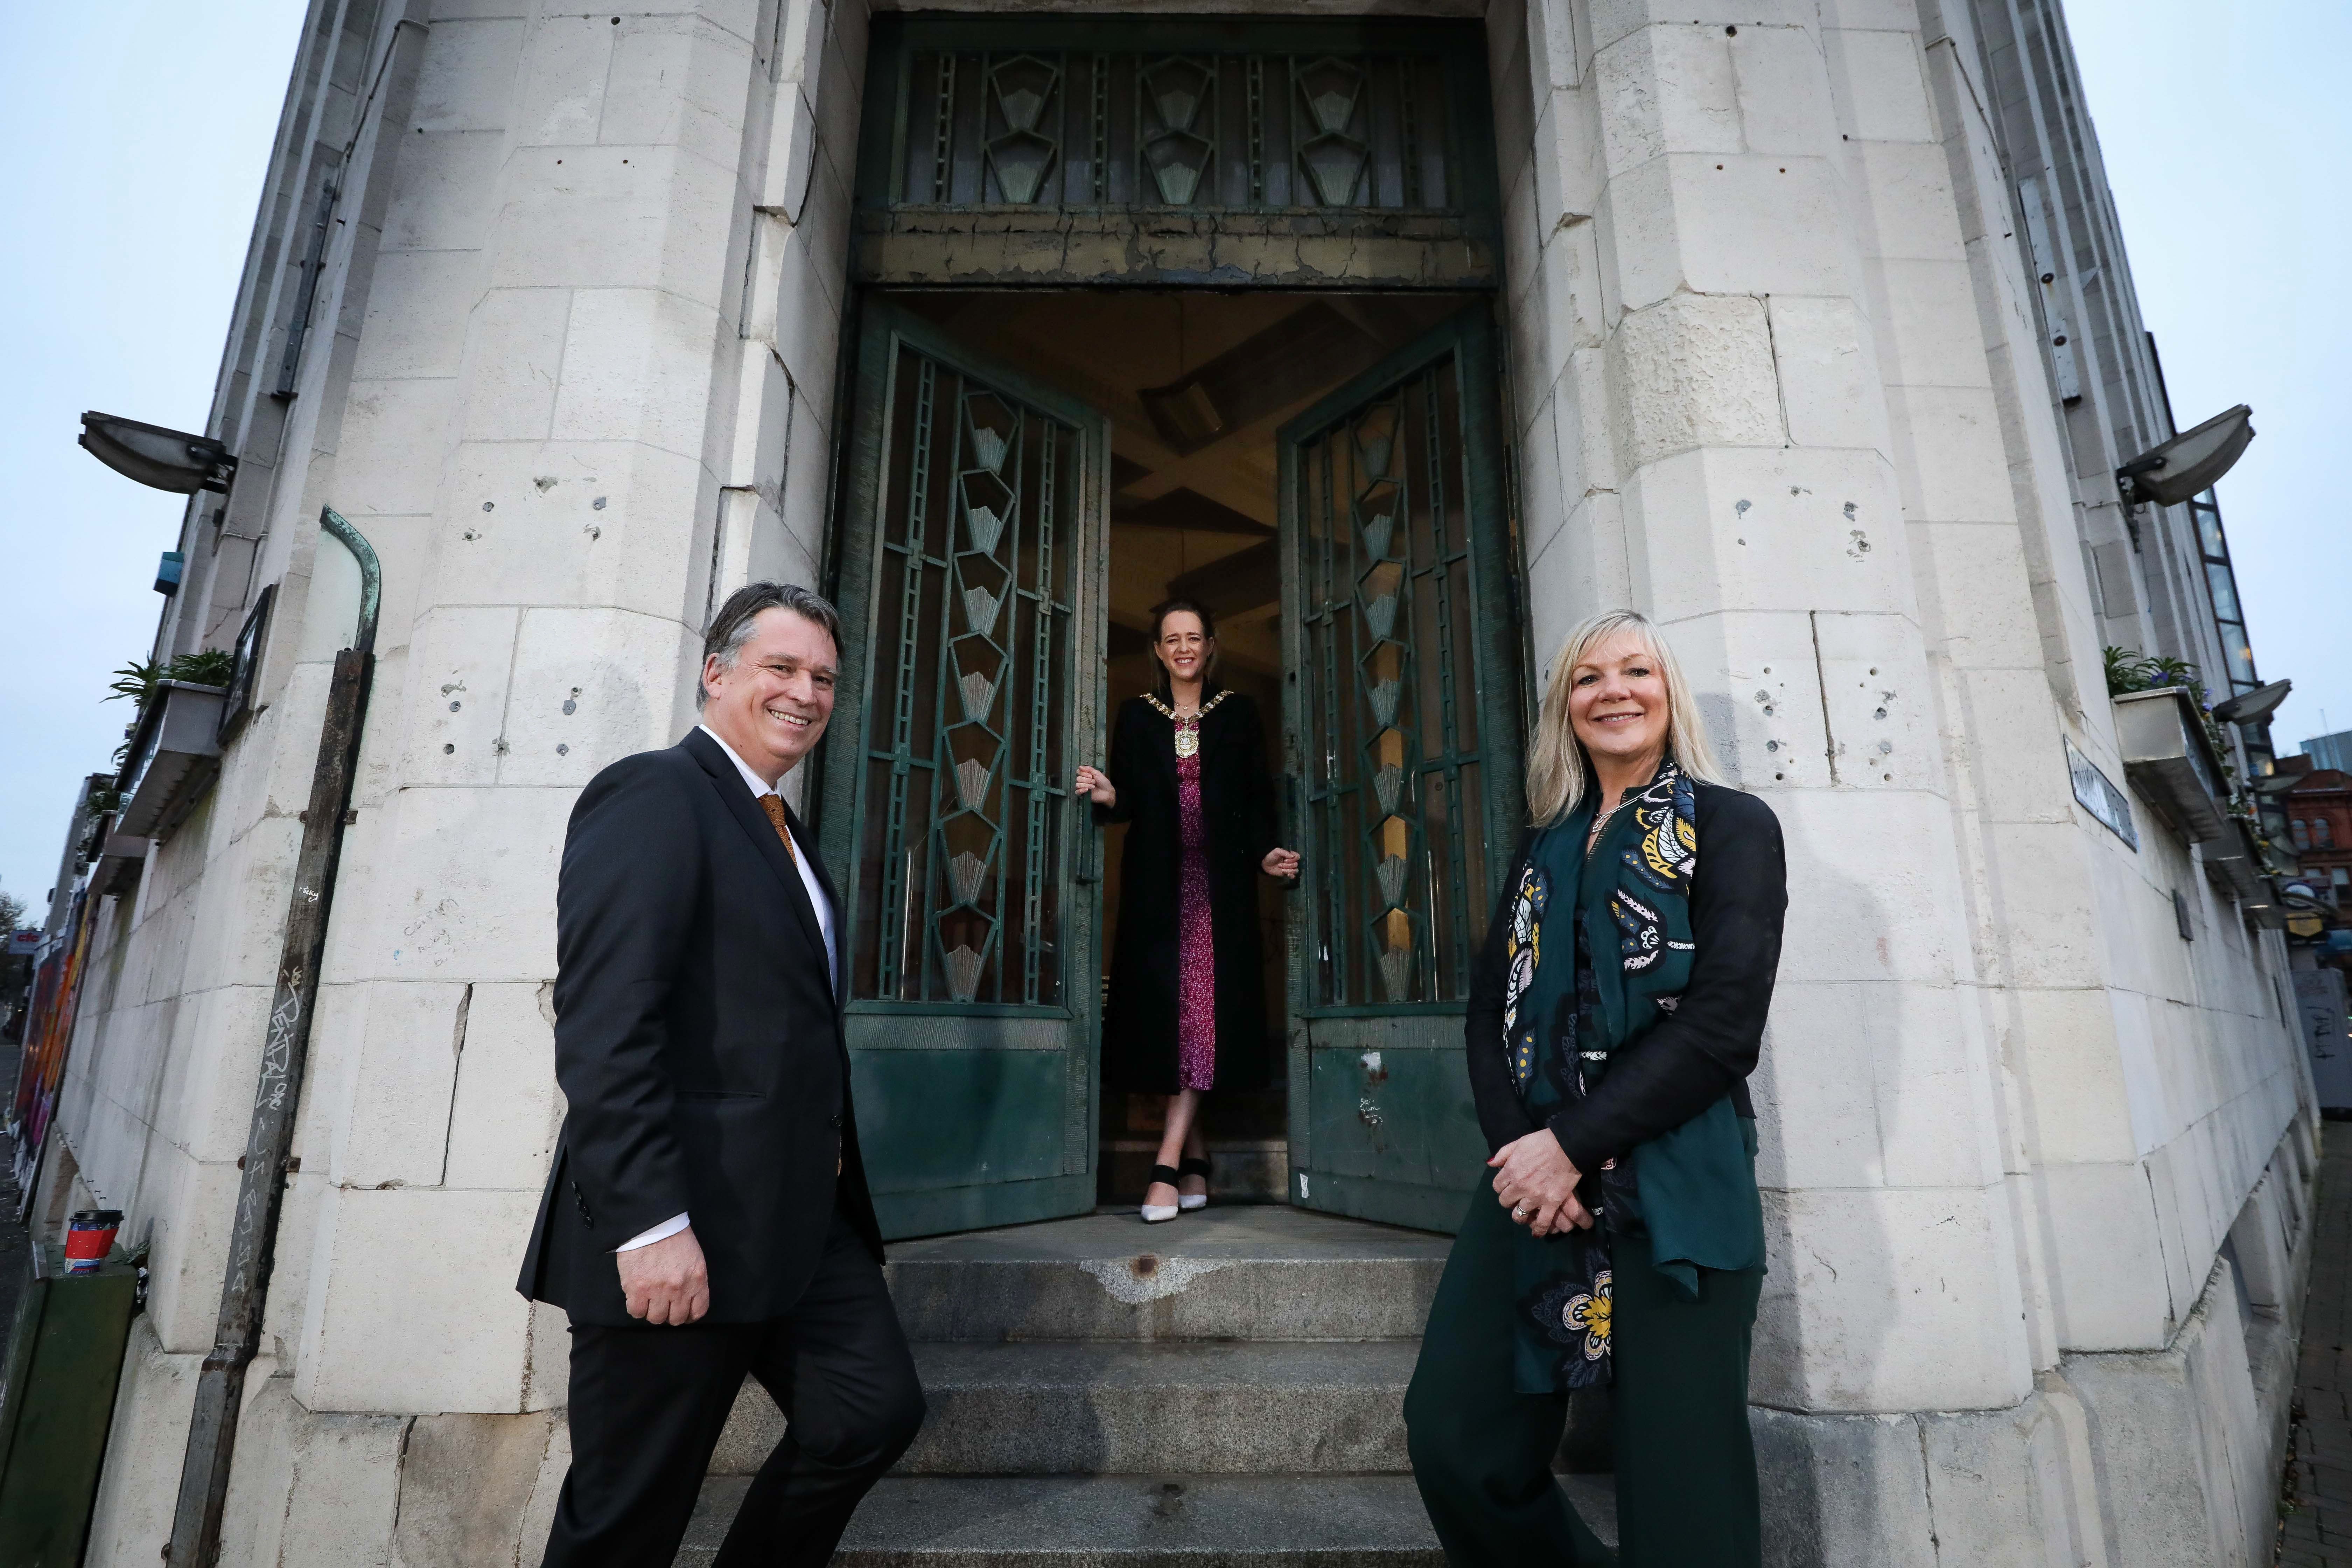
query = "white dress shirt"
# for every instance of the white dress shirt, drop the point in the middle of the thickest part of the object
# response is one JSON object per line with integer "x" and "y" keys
{"x": 817, "y": 901}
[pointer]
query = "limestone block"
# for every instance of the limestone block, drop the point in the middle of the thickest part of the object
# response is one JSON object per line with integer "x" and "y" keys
{"x": 1816, "y": 1093}
{"x": 395, "y": 433}
{"x": 560, "y": 86}
{"x": 1612, "y": 20}
{"x": 1948, "y": 454}
{"x": 763, "y": 420}
{"x": 2055, "y": 922}
{"x": 1875, "y": 79}
{"x": 1936, "y": 1116}
{"x": 343, "y": 1492}
{"x": 1784, "y": 103}
{"x": 466, "y": 75}
{"x": 416, "y": 313}
{"x": 466, "y": 891}
{"x": 514, "y": 352}
{"x": 542, "y": 539}
{"x": 394, "y": 1129}
{"x": 841, "y": 87}
{"x": 792, "y": 148}
{"x": 1882, "y": 859}
{"x": 1580, "y": 571}
{"x": 2004, "y": 1485}
{"x": 807, "y": 322}
{"x": 460, "y": 663}
{"x": 1768, "y": 529}
{"x": 1879, "y": 700}
{"x": 1694, "y": 371}
{"x": 802, "y": 511}
{"x": 1515, "y": 96}
{"x": 1825, "y": 354}
{"x": 443, "y": 191}
{"x": 465, "y": 1485}
{"x": 637, "y": 366}
{"x": 1508, "y": 25}
{"x": 1898, "y": 1299}
{"x": 677, "y": 81}
{"x": 131, "y": 1520}
{"x": 1753, "y": 676}
{"x": 203, "y": 1090}
{"x": 1903, "y": 195}
{"x": 194, "y": 1205}
{"x": 2184, "y": 1466}
{"x": 2063, "y": 1050}
{"x": 1891, "y": 15}
{"x": 1667, "y": 89}
{"x": 826, "y": 214}
{"x": 1842, "y": 1491}
{"x": 1539, "y": 493}
{"x": 1930, "y": 333}
{"x": 1974, "y": 588}
{"x": 800, "y": 42}
{"x": 538, "y": 1514}
{"x": 1551, "y": 44}
{"x": 413, "y": 1308}
{"x": 606, "y": 216}
{"x": 2108, "y": 1290}
{"x": 1730, "y": 222}
{"x": 591, "y": 687}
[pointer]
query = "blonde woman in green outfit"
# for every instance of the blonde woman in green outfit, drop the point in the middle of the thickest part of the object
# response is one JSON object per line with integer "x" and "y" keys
{"x": 1614, "y": 1016}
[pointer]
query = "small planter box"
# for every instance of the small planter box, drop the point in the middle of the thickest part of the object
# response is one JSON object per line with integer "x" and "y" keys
{"x": 124, "y": 855}
{"x": 174, "y": 757}
{"x": 2168, "y": 761}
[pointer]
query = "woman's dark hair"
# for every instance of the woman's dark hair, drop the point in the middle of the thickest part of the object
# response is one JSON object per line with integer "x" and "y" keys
{"x": 1160, "y": 685}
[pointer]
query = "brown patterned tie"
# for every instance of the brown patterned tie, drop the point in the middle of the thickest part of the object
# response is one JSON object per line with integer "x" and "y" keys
{"x": 774, "y": 807}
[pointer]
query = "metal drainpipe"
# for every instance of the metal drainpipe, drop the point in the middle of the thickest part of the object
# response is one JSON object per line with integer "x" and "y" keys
{"x": 286, "y": 1049}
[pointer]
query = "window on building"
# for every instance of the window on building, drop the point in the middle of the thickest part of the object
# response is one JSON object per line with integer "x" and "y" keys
{"x": 2222, "y": 591}
{"x": 2340, "y": 877}
{"x": 2299, "y": 833}
{"x": 2323, "y": 835}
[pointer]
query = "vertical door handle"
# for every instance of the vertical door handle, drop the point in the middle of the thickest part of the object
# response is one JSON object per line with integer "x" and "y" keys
{"x": 1088, "y": 835}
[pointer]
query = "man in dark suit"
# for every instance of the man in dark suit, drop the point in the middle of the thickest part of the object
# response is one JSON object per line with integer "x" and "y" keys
{"x": 706, "y": 1214}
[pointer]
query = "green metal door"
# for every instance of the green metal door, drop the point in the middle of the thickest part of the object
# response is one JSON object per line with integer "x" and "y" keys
{"x": 971, "y": 588}
{"x": 1402, "y": 716}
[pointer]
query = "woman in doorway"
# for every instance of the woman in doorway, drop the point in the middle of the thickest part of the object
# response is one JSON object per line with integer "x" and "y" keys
{"x": 1187, "y": 1007}
{"x": 1615, "y": 1016}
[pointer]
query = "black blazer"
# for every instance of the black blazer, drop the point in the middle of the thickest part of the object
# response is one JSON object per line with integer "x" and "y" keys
{"x": 1692, "y": 1056}
{"x": 697, "y": 1042}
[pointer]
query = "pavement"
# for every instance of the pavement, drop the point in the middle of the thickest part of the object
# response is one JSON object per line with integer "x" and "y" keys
{"x": 2316, "y": 1494}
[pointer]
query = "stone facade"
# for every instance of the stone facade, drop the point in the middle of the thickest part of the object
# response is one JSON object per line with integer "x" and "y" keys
{"x": 2037, "y": 1168}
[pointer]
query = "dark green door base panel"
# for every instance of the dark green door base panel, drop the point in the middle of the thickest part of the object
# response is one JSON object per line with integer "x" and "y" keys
{"x": 943, "y": 1118}
{"x": 1391, "y": 1202}
{"x": 940, "y": 1211}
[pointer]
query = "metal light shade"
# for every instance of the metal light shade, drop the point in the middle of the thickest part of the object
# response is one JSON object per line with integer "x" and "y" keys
{"x": 2190, "y": 462}
{"x": 2248, "y": 707}
{"x": 160, "y": 459}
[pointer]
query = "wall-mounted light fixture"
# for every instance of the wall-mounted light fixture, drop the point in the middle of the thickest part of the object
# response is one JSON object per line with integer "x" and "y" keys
{"x": 163, "y": 459}
{"x": 2250, "y": 707}
{"x": 2172, "y": 471}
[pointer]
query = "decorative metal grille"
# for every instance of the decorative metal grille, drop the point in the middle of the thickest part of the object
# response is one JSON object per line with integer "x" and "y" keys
{"x": 1214, "y": 130}
{"x": 1393, "y": 749}
{"x": 964, "y": 797}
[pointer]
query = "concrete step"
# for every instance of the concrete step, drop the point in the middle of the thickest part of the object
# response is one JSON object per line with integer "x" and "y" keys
{"x": 1134, "y": 1521}
{"x": 1112, "y": 1408}
{"x": 1255, "y": 1272}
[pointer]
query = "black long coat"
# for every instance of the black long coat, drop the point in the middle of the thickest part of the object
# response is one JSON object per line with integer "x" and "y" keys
{"x": 1140, "y": 1027}
{"x": 699, "y": 1043}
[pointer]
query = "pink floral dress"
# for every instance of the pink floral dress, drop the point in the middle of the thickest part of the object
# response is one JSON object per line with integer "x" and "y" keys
{"x": 1196, "y": 990}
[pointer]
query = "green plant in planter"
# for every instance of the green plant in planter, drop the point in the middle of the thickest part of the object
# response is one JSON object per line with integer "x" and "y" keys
{"x": 138, "y": 680}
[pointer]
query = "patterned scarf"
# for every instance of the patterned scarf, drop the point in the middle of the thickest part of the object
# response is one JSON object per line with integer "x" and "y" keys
{"x": 1564, "y": 1015}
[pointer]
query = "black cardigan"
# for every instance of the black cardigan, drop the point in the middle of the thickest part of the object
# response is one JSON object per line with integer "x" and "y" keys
{"x": 1691, "y": 1058}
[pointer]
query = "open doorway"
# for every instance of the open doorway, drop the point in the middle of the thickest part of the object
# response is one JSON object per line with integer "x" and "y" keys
{"x": 1195, "y": 384}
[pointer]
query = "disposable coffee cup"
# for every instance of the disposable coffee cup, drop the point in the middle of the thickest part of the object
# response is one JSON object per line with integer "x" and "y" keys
{"x": 90, "y": 1237}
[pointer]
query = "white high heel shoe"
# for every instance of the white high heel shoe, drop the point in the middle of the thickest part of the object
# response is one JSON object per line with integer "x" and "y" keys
{"x": 1188, "y": 1201}
{"x": 1160, "y": 1213}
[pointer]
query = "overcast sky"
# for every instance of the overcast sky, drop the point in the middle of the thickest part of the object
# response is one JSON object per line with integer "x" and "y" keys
{"x": 140, "y": 136}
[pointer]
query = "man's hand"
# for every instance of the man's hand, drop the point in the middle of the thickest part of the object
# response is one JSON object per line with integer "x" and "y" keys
{"x": 1537, "y": 1182}
{"x": 1282, "y": 863}
{"x": 665, "y": 1281}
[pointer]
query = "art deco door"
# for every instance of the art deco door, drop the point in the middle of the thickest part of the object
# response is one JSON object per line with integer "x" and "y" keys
{"x": 970, "y": 589}
{"x": 1402, "y": 725}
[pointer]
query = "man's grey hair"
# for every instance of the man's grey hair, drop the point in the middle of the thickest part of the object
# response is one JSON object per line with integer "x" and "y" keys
{"x": 730, "y": 628}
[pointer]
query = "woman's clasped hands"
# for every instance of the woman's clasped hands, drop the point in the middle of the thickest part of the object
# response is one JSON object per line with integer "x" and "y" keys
{"x": 1536, "y": 1180}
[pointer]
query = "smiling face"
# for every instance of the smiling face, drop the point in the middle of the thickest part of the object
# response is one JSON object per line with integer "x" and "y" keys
{"x": 1617, "y": 703}
{"x": 1183, "y": 648}
{"x": 774, "y": 702}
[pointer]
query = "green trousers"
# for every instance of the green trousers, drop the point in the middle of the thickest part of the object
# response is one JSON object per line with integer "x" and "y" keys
{"x": 1482, "y": 1452}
